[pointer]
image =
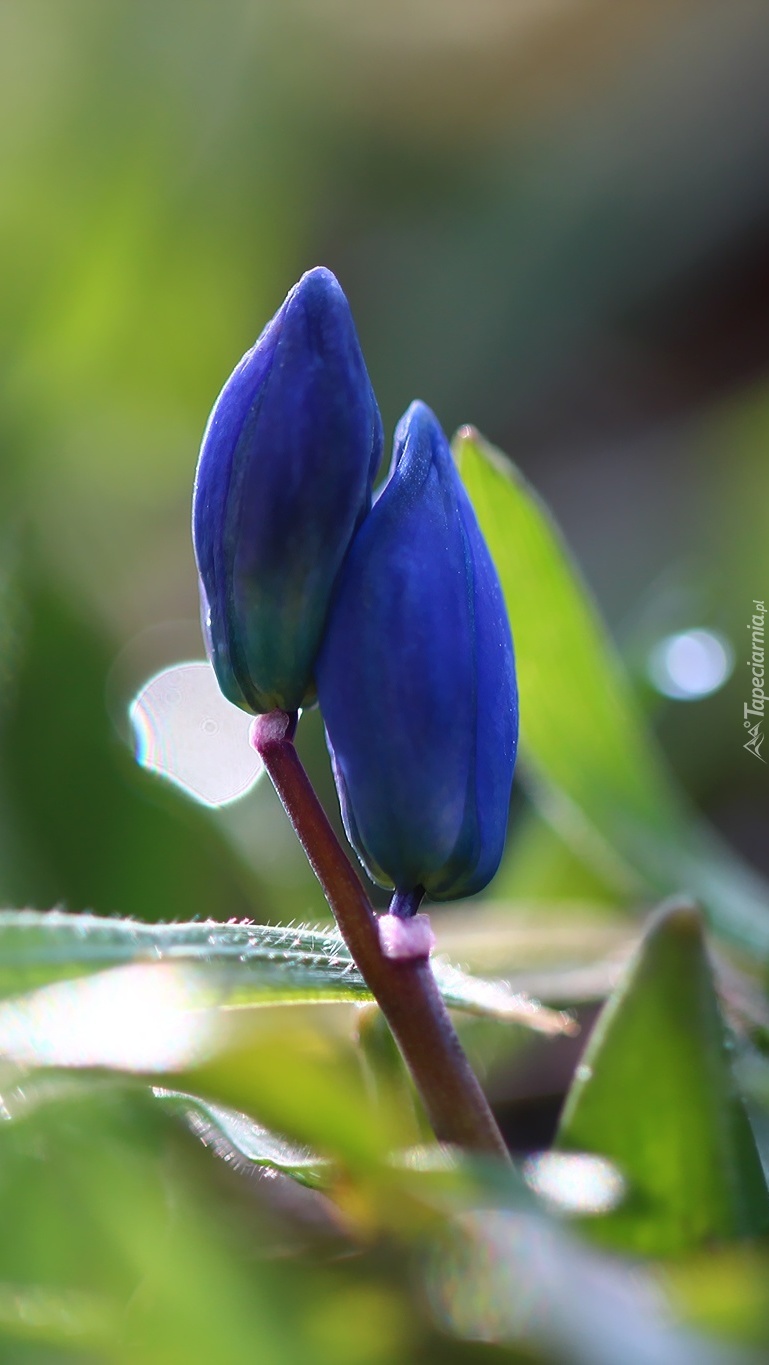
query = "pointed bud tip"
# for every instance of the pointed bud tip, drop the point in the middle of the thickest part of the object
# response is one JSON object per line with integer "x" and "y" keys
{"x": 418, "y": 414}
{"x": 318, "y": 287}
{"x": 679, "y": 916}
{"x": 419, "y": 430}
{"x": 317, "y": 306}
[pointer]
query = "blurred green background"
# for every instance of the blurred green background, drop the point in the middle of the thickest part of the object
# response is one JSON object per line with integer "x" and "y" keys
{"x": 551, "y": 219}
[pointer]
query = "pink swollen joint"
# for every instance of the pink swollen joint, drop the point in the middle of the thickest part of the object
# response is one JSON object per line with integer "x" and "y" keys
{"x": 405, "y": 939}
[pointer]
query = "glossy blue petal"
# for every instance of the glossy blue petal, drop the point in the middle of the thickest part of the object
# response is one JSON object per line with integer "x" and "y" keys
{"x": 283, "y": 481}
{"x": 416, "y": 680}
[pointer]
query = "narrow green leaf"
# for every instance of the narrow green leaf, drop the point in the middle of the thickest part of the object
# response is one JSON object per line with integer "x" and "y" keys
{"x": 230, "y": 1133}
{"x": 655, "y": 1095}
{"x": 240, "y": 964}
{"x": 246, "y": 964}
{"x": 302, "y": 1082}
{"x": 579, "y": 724}
{"x": 592, "y": 766}
{"x": 509, "y": 1277}
{"x": 509, "y": 1272}
{"x": 539, "y": 865}
{"x": 388, "y": 1081}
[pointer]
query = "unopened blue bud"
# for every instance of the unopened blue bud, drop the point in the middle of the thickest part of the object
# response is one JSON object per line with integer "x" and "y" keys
{"x": 416, "y": 680}
{"x": 284, "y": 479}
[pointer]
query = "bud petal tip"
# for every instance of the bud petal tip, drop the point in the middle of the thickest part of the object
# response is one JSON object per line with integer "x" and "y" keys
{"x": 283, "y": 481}
{"x": 416, "y": 680}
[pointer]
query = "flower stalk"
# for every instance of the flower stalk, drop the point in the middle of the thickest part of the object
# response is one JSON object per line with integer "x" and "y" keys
{"x": 404, "y": 987}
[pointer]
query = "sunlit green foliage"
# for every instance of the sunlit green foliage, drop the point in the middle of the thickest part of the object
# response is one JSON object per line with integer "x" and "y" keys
{"x": 209, "y": 1148}
{"x": 125, "y": 1044}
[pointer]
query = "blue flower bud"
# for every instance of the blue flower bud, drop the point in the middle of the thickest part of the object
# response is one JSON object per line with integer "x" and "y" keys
{"x": 416, "y": 680}
{"x": 284, "y": 479}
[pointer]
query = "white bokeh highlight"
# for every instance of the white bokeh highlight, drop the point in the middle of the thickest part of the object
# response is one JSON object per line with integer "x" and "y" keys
{"x": 690, "y": 664}
{"x": 574, "y": 1182}
{"x": 141, "y": 1017}
{"x": 185, "y": 730}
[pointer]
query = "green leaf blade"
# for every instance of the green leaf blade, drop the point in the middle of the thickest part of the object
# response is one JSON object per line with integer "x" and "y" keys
{"x": 565, "y": 667}
{"x": 237, "y": 964}
{"x": 655, "y": 1096}
{"x": 230, "y": 1132}
{"x": 592, "y": 766}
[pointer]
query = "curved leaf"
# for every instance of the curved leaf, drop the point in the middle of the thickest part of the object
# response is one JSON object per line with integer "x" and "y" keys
{"x": 239, "y": 964}
{"x": 594, "y": 769}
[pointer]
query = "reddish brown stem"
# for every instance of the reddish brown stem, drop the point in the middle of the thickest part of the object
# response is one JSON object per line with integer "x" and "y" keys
{"x": 406, "y": 991}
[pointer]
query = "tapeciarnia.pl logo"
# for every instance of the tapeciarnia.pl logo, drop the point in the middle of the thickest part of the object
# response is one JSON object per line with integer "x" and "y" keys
{"x": 755, "y": 707}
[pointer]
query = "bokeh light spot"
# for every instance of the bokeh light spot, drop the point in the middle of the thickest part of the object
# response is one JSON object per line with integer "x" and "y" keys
{"x": 691, "y": 664}
{"x": 141, "y": 1017}
{"x": 188, "y": 732}
{"x": 574, "y": 1182}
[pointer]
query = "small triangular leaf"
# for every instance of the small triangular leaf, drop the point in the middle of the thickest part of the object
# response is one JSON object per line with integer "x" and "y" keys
{"x": 655, "y": 1095}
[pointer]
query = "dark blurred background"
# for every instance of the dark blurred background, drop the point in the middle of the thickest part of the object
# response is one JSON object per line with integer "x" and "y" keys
{"x": 551, "y": 218}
